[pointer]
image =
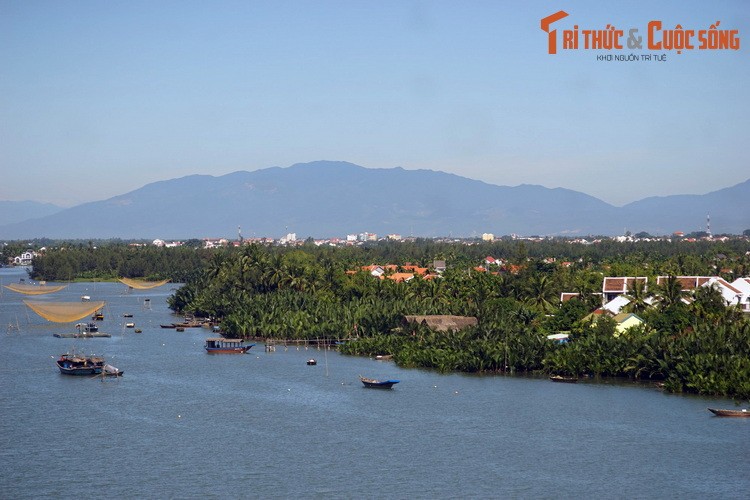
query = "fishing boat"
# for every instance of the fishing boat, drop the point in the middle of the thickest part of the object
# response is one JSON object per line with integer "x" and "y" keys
{"x": 87, "y": 327}
{"x": 130, "y": 325}
{"x": 378, "y": 384}
{"x": 83, "y": 331}
{"x": 221, "y": 345}
{"x": 98, "y": 316}
{"x": 744, "y": 412}
{"x": 76, "y": 364}
{"x": 562, "y": 378}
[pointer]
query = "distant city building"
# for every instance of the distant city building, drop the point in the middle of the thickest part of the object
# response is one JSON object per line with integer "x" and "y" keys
{"x": 488, "y": 237}
{"x": 214, "y": 242}
{"x": 394, "y": 237}
{"x": 289, "y": 238}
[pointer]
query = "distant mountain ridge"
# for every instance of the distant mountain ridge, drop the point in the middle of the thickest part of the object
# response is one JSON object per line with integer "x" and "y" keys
{"x": 18, "y": 211}
{"x": 332, "y": 199}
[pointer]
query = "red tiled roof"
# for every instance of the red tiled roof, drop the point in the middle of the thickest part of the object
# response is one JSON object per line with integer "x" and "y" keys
{"x": 566, "y": 296}
{"x": 688, "y": 282}
{"x": 620, "y": 284}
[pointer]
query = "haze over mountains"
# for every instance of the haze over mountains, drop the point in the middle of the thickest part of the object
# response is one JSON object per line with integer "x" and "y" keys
{"x": 332, "y": 199}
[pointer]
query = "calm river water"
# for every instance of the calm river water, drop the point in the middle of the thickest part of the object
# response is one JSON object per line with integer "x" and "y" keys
{"x": 184, "y": 424}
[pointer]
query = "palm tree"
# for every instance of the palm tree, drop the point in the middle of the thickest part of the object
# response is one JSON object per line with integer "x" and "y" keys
{"x": 540, "y": 293}
{"x": 670, "y": 292}
{"x": 637, "y": 295}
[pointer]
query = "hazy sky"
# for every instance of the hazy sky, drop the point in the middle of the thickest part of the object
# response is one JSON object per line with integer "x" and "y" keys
{"x": 98, "y": 98}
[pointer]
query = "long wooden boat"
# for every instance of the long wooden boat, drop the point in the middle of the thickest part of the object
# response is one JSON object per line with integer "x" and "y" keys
{"x": 76, "y": 364}
{"x": 744, "y": 412}
{"x": 221, "y": 345}
{"x": 372, "y": 383}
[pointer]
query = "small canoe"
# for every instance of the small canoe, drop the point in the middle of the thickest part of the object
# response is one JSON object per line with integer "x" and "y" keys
{"x": 372, "y": 383}
{"x": 744, "y": 412}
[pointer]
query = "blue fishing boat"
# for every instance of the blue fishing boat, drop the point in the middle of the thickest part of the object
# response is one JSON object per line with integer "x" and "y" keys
{"x": 372, "y": 383}
{"x": 74, "y": 364}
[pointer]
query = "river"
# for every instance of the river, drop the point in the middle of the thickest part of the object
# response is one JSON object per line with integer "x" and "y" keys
{"x": 184, "y": 424}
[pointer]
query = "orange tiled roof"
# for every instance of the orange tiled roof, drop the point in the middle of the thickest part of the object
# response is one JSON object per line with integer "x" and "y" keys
{"x": 399, "y": 277}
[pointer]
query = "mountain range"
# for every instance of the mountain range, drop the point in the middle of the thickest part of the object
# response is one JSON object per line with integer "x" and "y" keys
{"x": 332, "y": 199}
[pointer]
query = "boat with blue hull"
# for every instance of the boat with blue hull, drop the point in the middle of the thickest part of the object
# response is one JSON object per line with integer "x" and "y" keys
{"x": 76, "y": 364}
{"x": 372, "y": 383}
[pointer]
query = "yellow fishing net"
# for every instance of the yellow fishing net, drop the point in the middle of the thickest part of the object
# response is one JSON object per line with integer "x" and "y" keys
{"x": 142, "y": 285}
{"x": 28, "y": 289}
{"x": 64, "y": 312}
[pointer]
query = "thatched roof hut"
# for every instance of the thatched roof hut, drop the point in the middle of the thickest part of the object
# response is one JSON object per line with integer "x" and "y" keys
{"x": 443, "y": 322}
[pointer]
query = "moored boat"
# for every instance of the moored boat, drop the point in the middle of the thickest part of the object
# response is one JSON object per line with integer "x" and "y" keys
{"x": 75, "y": 364}
{"x": 221, "y": 345}
{"x": 87, "y": 327}
{"x": 378, "y": 384}
{"x": 562, "y": 378}
{"x": 744, "y": 412}
{"x": 312, "y": 362}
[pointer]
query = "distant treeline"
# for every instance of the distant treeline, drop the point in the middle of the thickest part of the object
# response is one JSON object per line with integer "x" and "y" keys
{"x": 86, "y": 262}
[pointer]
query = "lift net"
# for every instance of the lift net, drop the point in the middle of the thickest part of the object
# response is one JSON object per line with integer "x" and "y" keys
{"x": 64, "y": 312}
{"x": 141, "y": 284}
{"x": 28, "y": 289}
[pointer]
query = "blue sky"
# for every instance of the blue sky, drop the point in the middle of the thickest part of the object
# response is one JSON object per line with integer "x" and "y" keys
{"x": 98, "y": 98}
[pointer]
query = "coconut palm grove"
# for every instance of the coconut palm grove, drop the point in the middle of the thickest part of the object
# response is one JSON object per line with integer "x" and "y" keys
{"x": 686, "y": 341}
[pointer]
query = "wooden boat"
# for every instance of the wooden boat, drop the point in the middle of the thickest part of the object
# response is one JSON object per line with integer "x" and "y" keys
{"x": 221, "y": 345}
{"x": 744, "y": 412}
{"x": 98, "y": 316}
{"x": 562, "y": 378}
{"x": 111, "y": 371}
{"x": 171, "y": 325}
{"x": 84, "y": 331}
{"x": 378, "y": 384}
{"x": 87, "y": 327}
{"x": 74, "y": 364}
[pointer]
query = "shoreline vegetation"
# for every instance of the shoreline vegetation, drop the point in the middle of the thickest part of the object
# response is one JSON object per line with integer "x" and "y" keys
{"x": 688, "y": 342}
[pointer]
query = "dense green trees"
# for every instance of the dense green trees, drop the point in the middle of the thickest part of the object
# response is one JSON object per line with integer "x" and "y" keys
{"x": 88, "y": 262}
{"x": 320, "y": 292}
